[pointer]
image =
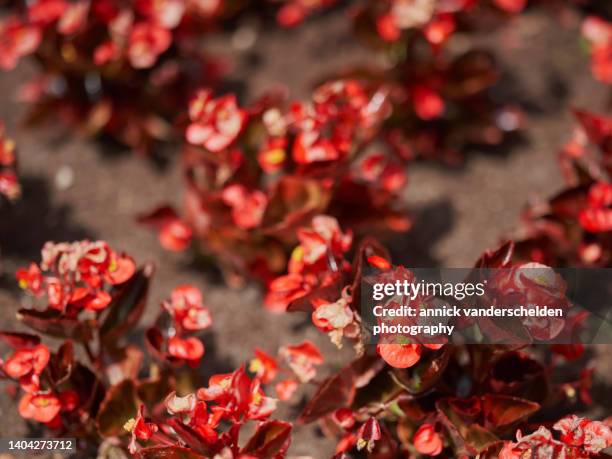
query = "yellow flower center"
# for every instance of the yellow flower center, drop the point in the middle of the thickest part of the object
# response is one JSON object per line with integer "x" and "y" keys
{"x": 129, "y": 425}
{"x": 255, "y": 366}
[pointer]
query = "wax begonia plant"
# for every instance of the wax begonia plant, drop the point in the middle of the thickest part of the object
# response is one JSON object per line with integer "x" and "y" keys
{"x": 420, "y": 399}
{"x": 254, "y": 175}
{"x": 118, "y": 68}
{"x": 101, "y": 388}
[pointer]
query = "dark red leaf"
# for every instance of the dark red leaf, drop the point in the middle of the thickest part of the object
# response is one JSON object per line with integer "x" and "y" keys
{"x": 270, "y": 440}
{"x": 335, "y": 392}
{"x": 51, "y": 322}
{"x": 119, "y": 406}
{"x": 19, "y": 340}
{"x": 504, "y": 410}
{"x": 128, "y": 305}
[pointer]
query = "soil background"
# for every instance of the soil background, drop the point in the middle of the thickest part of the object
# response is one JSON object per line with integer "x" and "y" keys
{"x": 459, "y": 211}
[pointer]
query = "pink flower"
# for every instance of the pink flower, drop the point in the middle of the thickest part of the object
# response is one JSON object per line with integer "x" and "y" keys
{"x": 17, "y": 40}
{"x": 146, "y": 42}
{"x": 216, "y": 123}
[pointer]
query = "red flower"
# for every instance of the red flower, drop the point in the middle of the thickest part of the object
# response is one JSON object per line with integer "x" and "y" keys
{"x": 427, "y": 441}
{"x": 599, "y": 33}
{"x": 303, "y": 359}
{"x": 399, "y": 355}
{"x": 166, "y": 13}
{"x": 593, "y": 435}
{"x": 428, "y": 104}
{"x": 597, "y": 437}
{"x": 284, "y": 289}
{"x": 597, "y": 217}
{"x": 120, "y": 269}
{"x": 344, "y": 417}
{"x": 9, "y": 185}
{"x": 74, "y": 18}
{"x": 369, "y": 433}
{"x": 106, "y": 52}
{"x": 147, "y": 41}
{"x": 379, "y": 262}
{"x": 30, "y": 278}
{"x": 26, "y": 361}
{"x": 272, "y": 155}
{"x": 533, "y": 284}
{"x": 96, "y": 302}
{"x": 290, "y": 14}
{"x": 572, "y": 429}
{"x": 41, "y": 407}
{"x": 247, "y": 207}
{"x": 190, "y": 349}
{"x": 439, "y": 29}
{"x": 310, "y": 146}
{"x": 322, "y": 238}
{"x": 511, "y": 6}
{"x": 601, "y": 63}
{"x": 216, "y": 123}
{"x": 286, "y": 388}
{"x": 44, "y": 12}
{"x": 174, "y": 233}
{"x": 140, "y": 429}
{"x": 387, "y": 28}
{"x": 187, "y": 309}
{"x": 7, "y": 149}
{"x": 264, "y": 366}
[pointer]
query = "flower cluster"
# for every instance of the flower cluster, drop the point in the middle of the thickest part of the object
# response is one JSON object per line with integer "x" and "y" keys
{"x": 41, "y": 401}
{"x": 255, "y": 174}
{"x": 104, "y": 398}
{"x": 351, "y": 405}
{"x": 579, "y": 437}
{"x": 77, "y": 276}
{"x": 188, "y": 315}
{"x": 435, "y": 21}
{"x": 440, "y": 99}
{"x": 9, "y": 184}
{"x": 111, "y": 67}
{"x": 195, "y": 420}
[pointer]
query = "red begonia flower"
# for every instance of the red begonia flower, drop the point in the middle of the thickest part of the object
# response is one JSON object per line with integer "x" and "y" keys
{"x": 264, "y": 366}
{"x": 190, "y": 349}
{"x": 399, "y": 355}
{"x": 427, "y": 441}
{"x": 16, "y": 41}
{"x": 30, "y": 278}
{"x": 511, "y": 6}
{"x": 41, "y": 407}
{"x": 344, "y": 417}
{"x": 428, "y": 104}
{"x": 25, "y": 361}
{"x": 286, "y": 388}
{"x": 369, "y": 433}
{"x": 146, "y": 42}
{"x": 303, "y": 359}
{"x": 216, "y": 123}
